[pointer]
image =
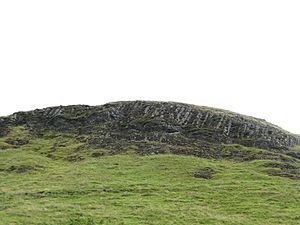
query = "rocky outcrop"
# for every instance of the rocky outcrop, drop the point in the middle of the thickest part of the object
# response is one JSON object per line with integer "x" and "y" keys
{"x": 145, "y": 121}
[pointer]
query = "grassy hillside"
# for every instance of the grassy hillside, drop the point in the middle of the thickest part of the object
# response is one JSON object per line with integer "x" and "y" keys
{"x": 56, "y": 179}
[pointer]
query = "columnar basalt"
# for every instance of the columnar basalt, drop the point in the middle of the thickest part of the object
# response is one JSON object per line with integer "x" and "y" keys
{"x": 164, "y": 122}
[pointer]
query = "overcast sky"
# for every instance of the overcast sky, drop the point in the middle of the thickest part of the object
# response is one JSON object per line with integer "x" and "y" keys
{"x": 243, "y": 56}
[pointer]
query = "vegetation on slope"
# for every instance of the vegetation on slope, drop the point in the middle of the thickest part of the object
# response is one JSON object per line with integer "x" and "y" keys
{"x": 56, "y": 178}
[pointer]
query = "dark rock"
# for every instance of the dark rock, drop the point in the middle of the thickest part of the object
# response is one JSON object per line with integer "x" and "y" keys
{"x": 21, "y": 168}
{"x": 17, "y": 141}
{"x": 97, "y": 154}
{"x": 281, "y": 169}
{"x": 120, "y": 124}
{"x": 205, "y": 173}
{"x": 74, "y": 158}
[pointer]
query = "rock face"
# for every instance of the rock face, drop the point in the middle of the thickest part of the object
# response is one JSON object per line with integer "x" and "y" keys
{"x": 120, "y": 124}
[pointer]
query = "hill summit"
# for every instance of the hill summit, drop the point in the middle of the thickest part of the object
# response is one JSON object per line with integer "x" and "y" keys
{"x": 155, "y": 127}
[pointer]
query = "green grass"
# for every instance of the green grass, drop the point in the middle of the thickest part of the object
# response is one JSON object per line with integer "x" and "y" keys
{"x": 38, "y": 188}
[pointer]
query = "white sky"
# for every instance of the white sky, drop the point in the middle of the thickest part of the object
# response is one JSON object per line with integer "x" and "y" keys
{"x": 238, "y": 55}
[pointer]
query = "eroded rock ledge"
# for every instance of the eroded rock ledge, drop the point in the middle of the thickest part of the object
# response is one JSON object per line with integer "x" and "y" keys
{"x": 145, "y": 121}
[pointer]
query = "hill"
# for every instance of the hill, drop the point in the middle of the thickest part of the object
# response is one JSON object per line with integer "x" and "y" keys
{"x": 145, "y": 162}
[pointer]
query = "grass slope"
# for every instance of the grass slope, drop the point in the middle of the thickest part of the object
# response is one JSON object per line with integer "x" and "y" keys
{"x": 55, "y": 180}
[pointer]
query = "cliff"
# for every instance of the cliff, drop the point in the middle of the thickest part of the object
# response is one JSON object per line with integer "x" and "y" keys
{"x": 121, "y": 124}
